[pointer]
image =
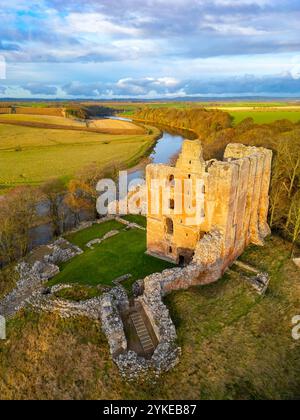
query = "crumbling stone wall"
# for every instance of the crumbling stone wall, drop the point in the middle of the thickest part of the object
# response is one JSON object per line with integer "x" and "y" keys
{"x": 132, "y": 366}
{"x": 34, "y": 274}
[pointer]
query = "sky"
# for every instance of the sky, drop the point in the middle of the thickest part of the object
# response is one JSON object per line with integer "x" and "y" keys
{"x": 149, "y": 48}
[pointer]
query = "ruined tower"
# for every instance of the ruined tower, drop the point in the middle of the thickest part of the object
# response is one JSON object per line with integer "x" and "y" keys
{"x": 190, "y": 201}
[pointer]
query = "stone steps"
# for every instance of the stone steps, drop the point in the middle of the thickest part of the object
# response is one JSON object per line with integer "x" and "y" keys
{"x": 142, "y": 332}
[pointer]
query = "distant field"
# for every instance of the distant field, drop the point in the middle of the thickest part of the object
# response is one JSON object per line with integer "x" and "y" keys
{"x": 105, "y": 125}
{"x": 43, "y": 119}
{"x": 32, "y": 156}
{"x": 111, "y": 124}
{"x": 261, "y": 112}
{"x": 265, "y": 117}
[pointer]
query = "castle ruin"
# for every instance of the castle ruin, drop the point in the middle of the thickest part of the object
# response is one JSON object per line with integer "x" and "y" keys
{"x": 234, "y": 206}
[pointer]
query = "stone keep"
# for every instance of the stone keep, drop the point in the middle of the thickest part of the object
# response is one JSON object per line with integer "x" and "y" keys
{"x": 233, "y": 200}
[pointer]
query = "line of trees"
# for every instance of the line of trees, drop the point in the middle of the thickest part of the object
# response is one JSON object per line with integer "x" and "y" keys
{"x": 19, "y": 208}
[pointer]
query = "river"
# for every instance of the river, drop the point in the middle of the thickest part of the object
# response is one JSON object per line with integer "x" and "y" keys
{"x": 166, "y": 147}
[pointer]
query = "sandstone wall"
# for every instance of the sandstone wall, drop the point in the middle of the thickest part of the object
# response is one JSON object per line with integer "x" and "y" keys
{"x": 235, "y": 201}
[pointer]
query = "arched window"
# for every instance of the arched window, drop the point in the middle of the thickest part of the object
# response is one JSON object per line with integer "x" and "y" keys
{"x": 169, "y": 226}
{"x": 172, "y": 180}
{"x": 172, "y": 204}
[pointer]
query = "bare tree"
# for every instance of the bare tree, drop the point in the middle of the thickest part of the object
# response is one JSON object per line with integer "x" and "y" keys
{"x": 54, "y": 191}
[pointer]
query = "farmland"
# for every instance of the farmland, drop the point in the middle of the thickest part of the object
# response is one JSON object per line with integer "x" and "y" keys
{"x": 266, "y": 117}
{"x": 114, "y": 126}
{"x": 41, "y": 119}
{"x": 261, "y": 112}
{"x": 31, "y": 156}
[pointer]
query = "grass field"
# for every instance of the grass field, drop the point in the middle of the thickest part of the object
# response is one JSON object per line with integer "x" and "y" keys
{"x": 111, "y": 124}
{"x": 235, "y": 345}
{"x": 261, "y": 112}
{"x": 265, "y": 117}
{"x": 32, "y": 156}
{"x": 111, "y": 259}
{"x": 42, "y": 119}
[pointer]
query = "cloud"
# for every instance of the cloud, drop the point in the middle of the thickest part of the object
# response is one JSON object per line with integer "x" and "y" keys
{"x": 96, "y": 23}
{"x": 83, "y": 89}
{"x": 284, "y": 85}
{"x": 125, "y": 87}
{"x": 111, "y": 30}
{"x": 248, "y": 85}
{"x": 143, "y": 47}
{"x": 40, "y": 89}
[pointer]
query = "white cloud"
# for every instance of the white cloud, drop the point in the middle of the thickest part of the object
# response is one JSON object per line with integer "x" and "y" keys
{"x": 96, "y": 23}
{"x": 242, "y": 2}
{"x": 232, "y": 29}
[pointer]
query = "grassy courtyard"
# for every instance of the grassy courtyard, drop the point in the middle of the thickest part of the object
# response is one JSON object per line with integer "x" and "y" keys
{"x": 113, "y": 258}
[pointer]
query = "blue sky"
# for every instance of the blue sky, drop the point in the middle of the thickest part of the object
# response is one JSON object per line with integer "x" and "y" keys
{"x": 149, "y": 48}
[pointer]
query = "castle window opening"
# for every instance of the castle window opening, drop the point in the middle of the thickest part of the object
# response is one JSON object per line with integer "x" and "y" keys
{"x": 170, "y": 226}
{"x": 172, "y": 204}
{"x": 172, "y": 180}
{"x": 171, "y": 250}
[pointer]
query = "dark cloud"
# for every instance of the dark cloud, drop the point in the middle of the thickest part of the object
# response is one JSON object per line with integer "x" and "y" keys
{"x": 86, "y": 90}
{"x": 248, "y": 85}
{"x": 9, "y": 46}
{"x": 166, "y": 87}
{"x": 40, "y": 89}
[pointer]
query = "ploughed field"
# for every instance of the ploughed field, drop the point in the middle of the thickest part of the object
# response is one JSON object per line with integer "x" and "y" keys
{"x": 235, "y": 344}
{"x": 33, "y": 155}
{"x": 117, "y": 256}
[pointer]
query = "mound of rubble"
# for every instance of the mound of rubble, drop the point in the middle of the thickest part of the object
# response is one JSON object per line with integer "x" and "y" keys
{"x": 33, "y": 274}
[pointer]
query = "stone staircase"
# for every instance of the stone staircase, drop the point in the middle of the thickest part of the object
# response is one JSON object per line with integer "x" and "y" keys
{"x": 142, "y": 332}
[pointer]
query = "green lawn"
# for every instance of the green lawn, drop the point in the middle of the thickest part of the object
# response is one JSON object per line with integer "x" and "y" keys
{"x": 119, "y": 255}
{"x": 82, "y": 237}
{"x": 139, "y": 220}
